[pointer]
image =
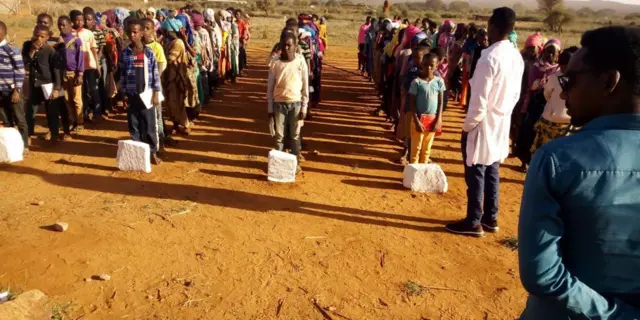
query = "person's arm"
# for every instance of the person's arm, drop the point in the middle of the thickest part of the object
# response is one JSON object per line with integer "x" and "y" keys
{"x": 413, "y": 105}
{"x": 549, "y": 87}
{"x": 271, "y": 82}
{"x": 481, "y": 84}
{"x": 122, "y": 65}
{"x": 439, "y": 112}
{"x": 18, "y": 75}
{"x": 94, "y": 50}
{"x": 79, "y": 58}
{"x": 56, "y": 69}
{"x": 305, "y": 92}
{"x": 540, "y": 231}
{"x": 155, "y": 78}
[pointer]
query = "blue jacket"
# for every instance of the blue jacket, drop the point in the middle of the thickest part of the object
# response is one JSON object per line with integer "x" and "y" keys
{"x": 579, "y": 230}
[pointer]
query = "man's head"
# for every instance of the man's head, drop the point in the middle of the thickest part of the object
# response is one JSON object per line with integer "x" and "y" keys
{"x": 291, "y": 23}
{"x": 64, "y": 25}
{"x": 44, "y": 19}
{"x": 368, "y": 20}
{"x": 288, "y": 46}
{"x": 603, "y": 77}
{"x": 315, "y": 18}
{"x": 238, "y": 14}
{"x": 439, "y": 52}
{"x": 77, "y": 19}
{"x": 501, "y": 24}
{"x": 429, "y": 65}
{"x": 423, "y": 48}
{"x": 40, "y": 34}
{"x": 565, "y": 57}
{"x": 89, "y": 18}
{"x": 148, "y": 30}
{"x": 482, "y": 37}
{"x": 3, "y": 31}
{"x": 433, "y": 26}
{"x": 135, "y": 31}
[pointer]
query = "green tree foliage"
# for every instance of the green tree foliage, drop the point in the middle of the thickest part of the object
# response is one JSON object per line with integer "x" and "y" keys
{"x": 460, "y": 6}
{"x": 436, "y": 5}
{"x": 558, "y": 19}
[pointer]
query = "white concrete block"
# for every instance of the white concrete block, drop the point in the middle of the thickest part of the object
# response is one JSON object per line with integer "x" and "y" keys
{"x": 425, "y": 178}
{"x": 11, "y": 145}
{"x": 134, "y": 156}
{"x": 282, "y": 166}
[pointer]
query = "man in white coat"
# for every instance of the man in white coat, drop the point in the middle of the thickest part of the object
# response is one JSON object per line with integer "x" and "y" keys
{"x": 495, "y": 89}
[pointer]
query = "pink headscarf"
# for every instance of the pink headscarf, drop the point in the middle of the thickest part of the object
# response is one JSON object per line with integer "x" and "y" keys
{"x": 534, "y": 40}
{"x": 197, "y": 20}
{"x": 409, "y": 33}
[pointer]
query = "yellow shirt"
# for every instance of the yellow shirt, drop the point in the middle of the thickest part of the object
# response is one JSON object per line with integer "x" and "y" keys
{"x": 288, "y": 82}
{"x": 158, "y": 52}
{"x": 88, "y": 43}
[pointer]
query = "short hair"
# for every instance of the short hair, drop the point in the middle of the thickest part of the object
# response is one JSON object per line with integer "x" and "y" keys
{"x": 146, "y": 21}
{"x": 425, "y": 20}
{"x": 615, "y": 48}
{"x": 430, "y": 55}
{"x": 566, "y": 55}
{"x": 88, "y": 10}
{"x": 504, "y": 19}
{"x": 3, "y": 26}
{"x": 237, "y": 11}
{"x": 64, "y": 18}
{"x": 433, "y": 24}
{"x": 40, "y": 28}
{"x": 424, "y": 44}
{"x": 368, "y": 18}
{"x": 439, "y": 52}
{"x": 45, "y": 15}
{"x": 315, "y": 16}
{"x": 291, "y": 22}
{"x": 74, "y": 14}
{"x": 134, "y": 22}
{"x": 286, "y": 36}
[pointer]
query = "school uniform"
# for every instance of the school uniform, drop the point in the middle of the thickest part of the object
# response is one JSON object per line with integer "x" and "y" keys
{"x": 71, "y": 52}
{"x": 427, "y": 95}
{"x": 45, "y": 69}
{"x": 12, "y": 78}
{"x": 139, "y": 75}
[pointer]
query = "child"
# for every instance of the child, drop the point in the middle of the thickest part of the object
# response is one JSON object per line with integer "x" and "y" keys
{"x": 425, "y": 99}
{"x": 45, "y": 20}
{"x": 71, "y": 50}
{"x": 91, "y": 96}
{"x": 158, "y": 53}
{"x": 45, "y": 75}
{"x": 288, "y": 93}
{"x": 11, "y": 81}
{"x": 441, "y": 71}
{"x": 99, "y": 35}
{"x": 139, "y": 80}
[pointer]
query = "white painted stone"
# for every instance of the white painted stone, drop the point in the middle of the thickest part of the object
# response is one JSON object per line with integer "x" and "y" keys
{"x": 61, "y": 226}
{"x": 282, "y": 166}
{"x": 11, "y": 145}
{"x": 134, "y": 156}
{"x": 425, "y": 178}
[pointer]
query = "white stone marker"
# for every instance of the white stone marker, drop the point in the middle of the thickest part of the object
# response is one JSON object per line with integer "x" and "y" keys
{"x": 11, "y": 145}
{"x": 134, "y": 156}
{"x": 425, "y": 178}
{"x": 282, "y": 166}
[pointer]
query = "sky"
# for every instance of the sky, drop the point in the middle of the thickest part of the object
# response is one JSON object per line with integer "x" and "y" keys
{"x": 622, "y": 1}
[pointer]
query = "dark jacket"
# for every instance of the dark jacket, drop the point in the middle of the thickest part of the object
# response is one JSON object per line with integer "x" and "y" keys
{"x": 44, "y": 67}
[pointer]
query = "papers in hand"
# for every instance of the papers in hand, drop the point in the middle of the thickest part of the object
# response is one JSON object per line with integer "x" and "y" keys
{"x": 146, "y": 97}
{"x": 47, "y": 89}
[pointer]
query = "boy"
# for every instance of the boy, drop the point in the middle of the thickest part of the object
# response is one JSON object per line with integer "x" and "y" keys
{"x": 158, "y": 53}
{"x": 45, "y": 20}
{"x": 91, "y": 96}
{"x": 139, "y": 80}
{"x": 71, "y": 51}
{"x": 11, "y": 81}
{"x": 90, "y": 24}
{"x": 288, "y": 93}
{"x": 243, "y": 30}
{"x": 425, "y": 99}
{"x": 45, "y": 75}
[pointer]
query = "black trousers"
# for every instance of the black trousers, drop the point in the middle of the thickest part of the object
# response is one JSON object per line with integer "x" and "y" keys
{"x": 13, "y": 113}
{"x": 36, "y": 97}
{"x": 483, "y": 194}
{"x": 242, "y": 57}
{"x": 142, "y": 122}
{"x": 91, "y": 94}
{"x": 57, "y": 109}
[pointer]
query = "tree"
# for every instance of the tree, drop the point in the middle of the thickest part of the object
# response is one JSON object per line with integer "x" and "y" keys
{"x": 586, "y": 12}
{"x": 436, "y": 5}
{"x": 459, "y": 6}
{"x": 606, "y": 13}
{"x": 266, "y": 5}
{"x": 519, "y": 8}
{"x": 548, "y": 6}
{"x": 557, "y": 19}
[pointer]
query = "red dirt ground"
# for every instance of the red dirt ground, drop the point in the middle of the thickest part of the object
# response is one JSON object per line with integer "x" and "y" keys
{"x": 346, "y": 232}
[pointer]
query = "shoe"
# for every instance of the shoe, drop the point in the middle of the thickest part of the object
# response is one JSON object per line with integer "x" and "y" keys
{"x": 45, "y": 137}
{"x": 155, "y": 160}
{"x": 490, "y": 226}
{"x": 464, "y": 228}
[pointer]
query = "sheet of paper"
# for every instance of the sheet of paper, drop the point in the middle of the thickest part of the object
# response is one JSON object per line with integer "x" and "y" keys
{"x": 146, "y": 96}
{"x": 47, "y": 89}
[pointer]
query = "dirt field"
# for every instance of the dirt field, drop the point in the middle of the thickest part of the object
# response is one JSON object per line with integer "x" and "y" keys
{"x": 205, "y": 236}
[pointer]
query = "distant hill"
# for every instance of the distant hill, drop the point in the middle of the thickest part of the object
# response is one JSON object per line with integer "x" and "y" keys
{"x": 593, "y": 4}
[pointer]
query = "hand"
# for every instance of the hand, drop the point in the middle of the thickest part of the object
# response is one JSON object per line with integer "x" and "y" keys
{"x": 303, "y": 115}
{"x": 438, "y": 125}
{"x": 78, "y": 80}
{"x": 419, "y": 125}
{"x": 154, "y": 99}
{"x": 54, "y": 94}
{"x": 15, "y": 96}
{"x": 271, "y": 115}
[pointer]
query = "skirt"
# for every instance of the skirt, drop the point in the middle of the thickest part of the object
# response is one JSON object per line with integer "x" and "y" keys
{"x": 547, "y": 131}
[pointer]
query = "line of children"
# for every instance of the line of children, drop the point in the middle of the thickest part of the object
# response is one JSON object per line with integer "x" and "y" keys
{"x": 12, "y": 75}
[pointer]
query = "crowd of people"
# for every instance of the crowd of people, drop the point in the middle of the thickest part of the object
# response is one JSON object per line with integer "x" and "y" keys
{"x": 100, "y": 63}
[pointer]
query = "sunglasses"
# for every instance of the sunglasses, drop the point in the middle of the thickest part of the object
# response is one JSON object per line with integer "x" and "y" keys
{"x": 568, "y": 80}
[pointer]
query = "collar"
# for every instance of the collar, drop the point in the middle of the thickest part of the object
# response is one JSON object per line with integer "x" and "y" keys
{"x": 3, "y": 43}
{"x": 626, "y": 121}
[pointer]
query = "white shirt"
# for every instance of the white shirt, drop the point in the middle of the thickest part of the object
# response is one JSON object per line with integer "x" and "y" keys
{"x": 495, "y": 89}
{"x": 555, "y": 110}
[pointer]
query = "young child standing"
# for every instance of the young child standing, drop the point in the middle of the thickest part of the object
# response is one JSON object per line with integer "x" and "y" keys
{"x": 71, "y": 51}
{"x": 426, "y": 100}
{"x": 140, "y": 79}
{"x": 288, "y": 92}
{"x": 91, "y": 96}
{"x": 161, "y": 59}
{"x": 11, "y": 81}
{"x": 45, "y": 82}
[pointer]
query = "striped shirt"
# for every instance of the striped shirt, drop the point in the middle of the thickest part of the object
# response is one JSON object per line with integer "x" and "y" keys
{"x": 128, "y": 71}
{"x": 101, "y": 40}
{"x": 11, "y": 68}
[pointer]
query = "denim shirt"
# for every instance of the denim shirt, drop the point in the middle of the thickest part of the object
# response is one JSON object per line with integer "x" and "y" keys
{"x": 579, "y": 230}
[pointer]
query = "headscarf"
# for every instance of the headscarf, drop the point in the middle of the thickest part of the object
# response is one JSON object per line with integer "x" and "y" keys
{"x": 513, "y": 37}
{"x": 444, "y": 37}
{"x": 98, "y": 18}
{"x": 111, "y": 18}
{"x": 534, "y": 40}
{"x": 554, "y": 42}
{"x": 185, "y": 23}
{"x": 163, "y": 12}
{"x": 171, "y": 24}
{"x": 121, "y": 14}
{"x": 418, "y": 38}
{"x": 152, "y": 10}
{"x": 198, "y": 20}
{"x": 409, "y": 33}
{"x": 140, "y": 14}
{"x": 323, "y": 20}
{"x": 210, "y": 15}
{"x": 448, "y": 26}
